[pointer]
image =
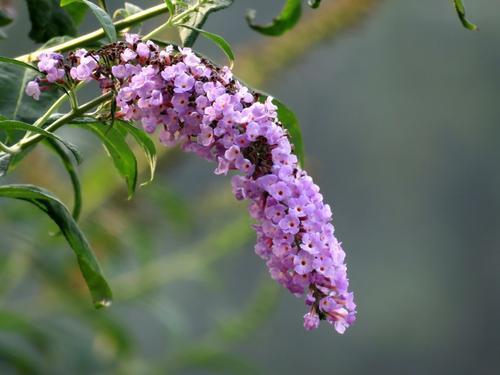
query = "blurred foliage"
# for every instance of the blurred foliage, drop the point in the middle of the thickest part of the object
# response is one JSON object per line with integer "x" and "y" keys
{"x": 332, "y": 18}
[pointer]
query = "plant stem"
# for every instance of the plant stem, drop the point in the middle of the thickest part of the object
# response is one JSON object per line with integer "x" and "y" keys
{"x": 6, "y": 149}
{"x": 51, "y": 110}
{"x": 172, "y": 21}
{"x": 99, "y": 34}
{"x": 79, "y": 111}
{"x": 189, "y": 10}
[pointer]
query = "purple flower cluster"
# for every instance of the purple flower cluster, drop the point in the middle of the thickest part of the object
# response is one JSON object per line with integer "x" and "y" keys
{"x": 51, "y": 64}
{"x": 200, "y": 107}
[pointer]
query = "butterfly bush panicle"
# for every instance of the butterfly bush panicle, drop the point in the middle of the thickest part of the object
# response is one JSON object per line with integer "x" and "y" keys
{"x": 192, "y": 103}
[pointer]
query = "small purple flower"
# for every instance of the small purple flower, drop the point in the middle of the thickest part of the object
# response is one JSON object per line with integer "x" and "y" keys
{"x": 180, "y": 102}
{"x": 223, "y": 167}
{"x": 132, "y": 38}
{"x": 213, "y": 90}
{"x": 290, "y": 224}
{"x": 156, "y": 98}
{"x": 232, "y": 153}
{"x": 279, "y": 191}
{"x": 169, "y": 73}
{"x": 33, "y": 90}
{"x": 192, "y": 60}
{"x": 149, "y": 123}
{"x": 119, "y": 71}
{"x": 206, "y": 137}
{"x": 183, "y": 83}
{"x": 282, "y": 249}
{"x": 245, "y": 165}
{"x": 143, "y": 50}
{"x": 55, "y": 74}
{"x": 311, "y": 243}
{"x": 81, "y": 73}
{"x": 128, "y": 55}
{"x": 253, "y": 131}
{"x": 276, "y": 212}
{"x": 303, "y": 263}
{"x": 311, "y": 320}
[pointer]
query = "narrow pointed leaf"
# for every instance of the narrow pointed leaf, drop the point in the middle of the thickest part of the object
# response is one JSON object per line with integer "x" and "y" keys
{"x": 198, "y": 18}
{"x": 288, "y": 17}
{"x": 128, "y": 10}
{"x": 218, "y": 40}
{"x": 77, "y": 12}
{"x": 145, "y": 142}
{"x": 55, "y": 209}
{"x": 75, "y": 181}
{"x": 101, "y": 15}
{"x": 290, "y": 122}
{"x": 14, "y": 103}
{"x": 171, "y": 7}
{"x": 459, "y": 6}
{"x": 123, "y": 158}
{"x": 22, "y": 64}
{"x": 10, "y": 125}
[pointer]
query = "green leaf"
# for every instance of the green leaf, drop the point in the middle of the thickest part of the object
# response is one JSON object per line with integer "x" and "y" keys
{"x": 89, "y": 266}
{"x": 48, "y": 20}
{"x": 9, "y": 125}
{"x": 101, "y": 15}
{"x": 220, "y": 41}
{"x": 71, "y": 169}
{"x": 145, "y": 142}
{"x": 171, "y": 7}
{"x": 77, "y": 12}
{"x": 119, "y": 151}
{"x": 289, "y": 16}
{"x": 197, "y": 20}
{"x": 128, "y": 10}
{"x": 314, "y": 3}
{"x": 459, "y": 6}
{"x": 290, "y": 122}
{"x": 22, "y": 64}
{"x": 132, "y": 9}
{"x": 14, "y": 103}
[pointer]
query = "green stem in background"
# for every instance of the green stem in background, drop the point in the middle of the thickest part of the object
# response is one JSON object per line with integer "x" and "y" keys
{"x": 99, "y": 34}
{"x": 174, "y": 20}
{"x": 42, "y": 120}
{"x": 79, "y": 111}
{"x": 7, "y": 149}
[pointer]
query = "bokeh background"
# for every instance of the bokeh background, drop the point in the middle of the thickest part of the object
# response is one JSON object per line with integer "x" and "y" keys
{"x": 400, "y": 112}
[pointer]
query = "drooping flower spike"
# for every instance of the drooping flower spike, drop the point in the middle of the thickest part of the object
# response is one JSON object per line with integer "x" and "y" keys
{"x": 192, "y": 103}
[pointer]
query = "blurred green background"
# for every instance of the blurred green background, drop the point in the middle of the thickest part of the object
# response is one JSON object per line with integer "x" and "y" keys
{"x": 400, "y": 112}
